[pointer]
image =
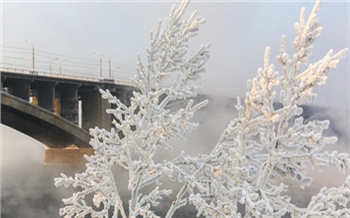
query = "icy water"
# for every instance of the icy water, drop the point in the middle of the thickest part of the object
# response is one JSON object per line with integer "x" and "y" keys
{"x": 29, "y": 192}
{"x": 27, "y": 186}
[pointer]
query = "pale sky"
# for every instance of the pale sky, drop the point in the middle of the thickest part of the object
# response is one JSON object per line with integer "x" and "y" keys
{"x": 239, "y": 32}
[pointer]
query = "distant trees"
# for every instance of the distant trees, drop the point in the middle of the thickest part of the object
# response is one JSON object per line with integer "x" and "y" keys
{"x": 255, "y": 153}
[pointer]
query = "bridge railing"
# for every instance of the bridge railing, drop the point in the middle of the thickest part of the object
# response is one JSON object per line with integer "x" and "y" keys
{"x": 24, "y": 60}
{"x": 125, "y": 81}
{"x": 43, "y": 63}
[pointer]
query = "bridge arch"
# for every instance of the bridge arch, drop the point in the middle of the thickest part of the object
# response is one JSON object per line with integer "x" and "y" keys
{"x": 41, "y": 124}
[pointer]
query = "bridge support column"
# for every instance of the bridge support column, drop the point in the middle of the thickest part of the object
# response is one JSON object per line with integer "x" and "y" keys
{"x": 94, "y": 111}
{"x": 46, "y": 95}
{"x": 124, "y": 95}
{"x": 69, "y": 102}
{"x": 20, "y": 88}
{"x": 2, "y": 84}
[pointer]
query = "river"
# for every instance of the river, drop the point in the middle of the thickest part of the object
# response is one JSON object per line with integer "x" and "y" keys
{"x": 27, "y": 185}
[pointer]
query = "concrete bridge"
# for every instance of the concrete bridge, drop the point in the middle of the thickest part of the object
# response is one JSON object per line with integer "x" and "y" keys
{"x": 57, "y": 109}
{"x": 41, "y": 124}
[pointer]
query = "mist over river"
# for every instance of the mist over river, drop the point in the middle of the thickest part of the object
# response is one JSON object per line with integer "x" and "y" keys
{"x": 27, "y": 185}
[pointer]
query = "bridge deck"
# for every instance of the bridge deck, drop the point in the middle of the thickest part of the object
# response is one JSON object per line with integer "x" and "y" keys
{"x": 19, "y": 73}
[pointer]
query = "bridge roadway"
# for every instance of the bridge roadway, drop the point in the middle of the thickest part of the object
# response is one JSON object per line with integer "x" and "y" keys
{"x": 58, "y": 77}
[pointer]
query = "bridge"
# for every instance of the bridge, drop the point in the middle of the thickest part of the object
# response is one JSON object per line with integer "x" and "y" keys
{"x": 43, "y": 125}
{"x": 57, "y": 105}
{"x": 57, "y": 109}
{"x": 61, "y": 94}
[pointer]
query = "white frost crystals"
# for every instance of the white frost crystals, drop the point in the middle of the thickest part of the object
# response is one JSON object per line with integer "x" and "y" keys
{"x": 265, "y": 146}
{"x": 244, "y": 173}
{"x": 144, "y": 127}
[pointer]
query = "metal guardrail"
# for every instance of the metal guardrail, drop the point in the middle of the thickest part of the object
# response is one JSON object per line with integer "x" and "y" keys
{"x": 34, "y": 59}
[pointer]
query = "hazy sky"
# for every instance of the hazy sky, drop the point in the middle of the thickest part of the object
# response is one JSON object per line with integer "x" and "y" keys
{"x": 238, "y": 31}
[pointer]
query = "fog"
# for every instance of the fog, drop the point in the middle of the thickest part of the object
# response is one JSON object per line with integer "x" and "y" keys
{"x": 28, "y": 185}
{"x": 238, "y": 30}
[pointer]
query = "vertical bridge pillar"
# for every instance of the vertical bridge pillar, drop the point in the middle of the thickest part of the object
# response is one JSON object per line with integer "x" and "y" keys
{"x": 46, "y": 95}
{"x": 18, "y": 87}
{"x": 67, "y": 102}
{"x": 94, "y": 110}
{"x": 21, "y": 89}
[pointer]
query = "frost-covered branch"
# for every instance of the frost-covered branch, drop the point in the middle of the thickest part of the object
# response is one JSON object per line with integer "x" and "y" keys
{"x": 241, "y": 176}
{"x": 265, "y": 143}
{"x": 145, "y": 127}
{"x": 331, "y": 202}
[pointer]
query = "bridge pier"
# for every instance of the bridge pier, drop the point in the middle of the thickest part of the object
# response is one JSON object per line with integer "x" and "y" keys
{"x": 94, "y": 110}
{"x": 22, "y": 89}
{"x": 18, "y": 87}
{"x": 124, "y": 95}
{"x": 68, "y": 101}
{"x": 46, "y": 95}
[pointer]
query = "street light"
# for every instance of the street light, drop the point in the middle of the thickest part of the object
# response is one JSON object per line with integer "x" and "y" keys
{"x": 109, "y": 66}
{"x": 60, "y": 68}
{"x": 98, "y": 53}
{"x": 33, "y": 61}
{"x": 51, "y": 63}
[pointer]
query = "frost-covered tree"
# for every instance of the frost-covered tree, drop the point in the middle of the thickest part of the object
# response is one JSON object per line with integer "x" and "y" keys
{"x": 266, "y": 145}
{"x": 144, "y": 127}
{"x": 244, "y": 173}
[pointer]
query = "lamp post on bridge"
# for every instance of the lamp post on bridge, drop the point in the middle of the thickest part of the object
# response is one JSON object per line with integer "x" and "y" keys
{"x": 60, "y": 67}
{"x": 109, "y": 67}
{"x": 33, "y": 57}
{"x": 98, "y": 53}
{"x": 51, "y": 63}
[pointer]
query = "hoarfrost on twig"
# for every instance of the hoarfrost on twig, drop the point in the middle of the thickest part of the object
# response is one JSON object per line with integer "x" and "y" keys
{"x": 260, "y": 145}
